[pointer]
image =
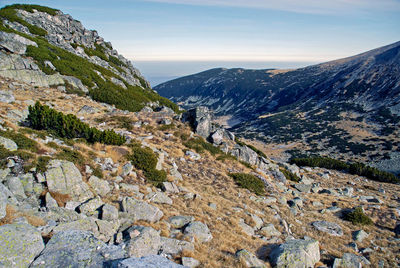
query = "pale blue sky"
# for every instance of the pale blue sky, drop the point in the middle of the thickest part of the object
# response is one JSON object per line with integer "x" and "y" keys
{"x": 247, "y": 31}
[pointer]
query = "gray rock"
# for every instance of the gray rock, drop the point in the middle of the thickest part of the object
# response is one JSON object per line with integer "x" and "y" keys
{"x": 140, "y": 210}
{"x": 50, "y": 201}
{"x": 350, "y": 260}
{"x": 200, "y": 120}
{"x": 190, "y": 262}
{"x": 127, "y": 169}
{"x": 16, "y": 187}
{"x": 159, "y": 198}
{"x": 199, "y": 231}
{"x": 109, "y": 213}
{"x": 14, "y": 43}
{"x": 86, "y": 109}
{"x": 90, "y": 207}
{"x": 248, "y": 259}
{"x": 20, "y": 244}
{"x": 247, "y": 229}
{"x": 74, "y": 248}
{"x": 295, "y": 254}
{"x": 155, "y": 261}
{"x": 3, "y": 205}
{"x": 360, "y": 235}
{"x": 218, "y": 136}
{"x": 192, "y": 155}
{"x": 169, "y": 187}
{"x": 257, "y": 220}
{"x": 64, "y": 177}
{"x": 180, "y": 221}
{"x": 144, "y": 241}
{"x": 328, "y": 227}
{"x": 304, "y": 188}
{"x": 269, "y": 231}
{"x": 173, "y": 247}
{"x": 6, "y": 96}
{"x": 101, "y": 187}
{"x": 8, "y": 144}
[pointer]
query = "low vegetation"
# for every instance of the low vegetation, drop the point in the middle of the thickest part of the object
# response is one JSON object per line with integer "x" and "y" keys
{"x": 248, "y": 181}
{"x": 69, "y": 126}
{"x": 353, "y": 168}
{"x": 289, "y": 175}
{"x": 200, "y": 145}
{"x": 357, "y": 216}
{"x": 145, "y": 159}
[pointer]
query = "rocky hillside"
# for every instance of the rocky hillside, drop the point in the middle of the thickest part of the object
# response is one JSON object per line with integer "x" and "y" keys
{"x": 168, "y": 198}
{"x": 346, "y": 108}
{"x": 44, "y": 47}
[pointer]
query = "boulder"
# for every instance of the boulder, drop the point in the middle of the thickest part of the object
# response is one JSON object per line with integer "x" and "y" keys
{"x": 6, "y": 96}
{"x": 169, "y": 187}
{"x": 249, "y": 259}
{"x": 180, "y": 221}
{"x": 20, "y": 244}
{"x": 8, "y": 144}
{"x": 73, "y": 248}
{"x": 64, "y": 177}
{"x": 174, "y": 246}
{"x": 270, "y": 231}
{"x": 360, "y": 235}
{"x": 199, "y": 231}
{"x": 190, "y": 262}
{"x": 127, "y": 169}
{"x": 146, "y": 262}
{"x": 200, "y": 120}
{"x": 3, "y": 205}
{"x": 159, "y": 198}
{"x": 109, "y": 213}
{"x": 16, "y": 187}
{"x": 14, "y": 43}
{"x": 50, "y": 201}
{"x": 144, "y": 241}
{"x": 101, "y": 187}
{"x": 140, "y": 210}
{"x": 91, "y": 206}
{"x": 247, "y": 229}
{"x": 350, "y": 260}
{"x": 218, "y": 136}
{"x": 295, "y": 254}
{"x": 304, "y": 188}
{"x": 328, "y": 227}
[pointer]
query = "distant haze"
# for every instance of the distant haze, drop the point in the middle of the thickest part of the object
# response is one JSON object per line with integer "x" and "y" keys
{"x": 158, "y": 72}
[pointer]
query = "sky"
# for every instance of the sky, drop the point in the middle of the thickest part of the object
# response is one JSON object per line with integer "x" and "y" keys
{"x": 169, "y": 38}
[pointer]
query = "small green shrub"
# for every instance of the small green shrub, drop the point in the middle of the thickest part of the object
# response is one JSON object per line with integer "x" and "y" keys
{"x": 71, "y": 155}
{"x": 41, "y": 163}
{"x": 156, "y": 176}
{"x": 249, "y": 182}
{"x": 143, "y": 158}
{"x": 97, "y": 172}
{"x": 200, "y": 145}
{"x": 289, "y": 175}
{"x": 226, "y": 156}
{"x": 246, "y": 164}
{"x": 122, "y": 121}
{"x": 69, "y": 126}
{"x": 357, "y": 216}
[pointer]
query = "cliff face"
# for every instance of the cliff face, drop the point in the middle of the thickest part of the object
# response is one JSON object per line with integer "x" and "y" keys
{"x": 45, "y": 47}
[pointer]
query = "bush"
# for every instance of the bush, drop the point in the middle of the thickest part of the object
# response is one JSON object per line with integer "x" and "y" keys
{"x": 156, "y": 176}
{"x": 199, "y": 145}
{"x": 143, "y": 158}
{"x": 354, "y": 168}
{"x": 72, "y": 156}
{"x": 41, "y": 163}
{"x": 250, "y": 182}
{"x": 357, "y": 216}
{"x": 69, "y": 126}
{"x": 289, "y": 175}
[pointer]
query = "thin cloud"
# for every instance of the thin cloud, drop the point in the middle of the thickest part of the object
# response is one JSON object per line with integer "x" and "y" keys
{"x": 304, "y": 6}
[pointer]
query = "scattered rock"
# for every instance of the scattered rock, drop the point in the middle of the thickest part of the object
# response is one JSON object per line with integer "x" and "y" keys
{"x": 8, "y": 144}
{"x": 159, "y": 198}
{"x": 328, "y": 227}
{"x": 350, "y": 260}
{"x": 360, "y": 235}
{"x": 193, "y": 155}
{"x": 269, "y": 231}
{"x": 295, "y": 253}
{"x": 249, "y": 259}
{"x": 180, "y": 221}
{"x": 169, "y": 187}
{"x": 199, "y": 231}
{"x": 143, "y": 241}
{"x": 247, "y": 229}
{"x": 109, "y": 213}
{"x": 101, "y": 187}
{"x": 73, "y": 248}
{"x": 20, "y": 244}
{"x": 146, "y": 262}
{"x": 190, "y": 262}
{"x": 50, "y": 201}
{"x": 173, "y": 247}
{"x": 140, "y": 210}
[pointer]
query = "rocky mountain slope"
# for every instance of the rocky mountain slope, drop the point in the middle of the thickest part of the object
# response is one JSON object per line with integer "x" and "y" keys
{"x": 86, "y": 184}
{"x": 348, "y": 107}
{"x": 44, "y": 47}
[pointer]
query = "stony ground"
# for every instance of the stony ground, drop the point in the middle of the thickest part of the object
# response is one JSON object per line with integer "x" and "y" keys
{"x": 201, "y": 218}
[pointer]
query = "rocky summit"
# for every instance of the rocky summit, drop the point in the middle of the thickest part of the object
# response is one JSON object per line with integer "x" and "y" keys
{"x": 86, "y": 180}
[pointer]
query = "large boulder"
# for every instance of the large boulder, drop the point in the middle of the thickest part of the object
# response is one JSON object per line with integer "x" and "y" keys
{"x": 14, "y": 43}
{"x": 328, "y": 227}
{"x": 295, "y": 254}
{"x": 199, "y": 231}
{"x": 101, "y": 187}
{"x": 6, "y": 96}
{"x": 20, "y": 243}
{"x": 174, "y": 246}
{"x": 73, "y": 248}
{"x": 8, "y": 144}
{"x": 140, "y": 210}
{"x": 16, "y": 187}
{"x": 143, "y": 241}
{"x": 200, "y": 120}
{"x": 64, "y": 177}
{"x": 350, "y": 260}
{"x": 146, "y": 262}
